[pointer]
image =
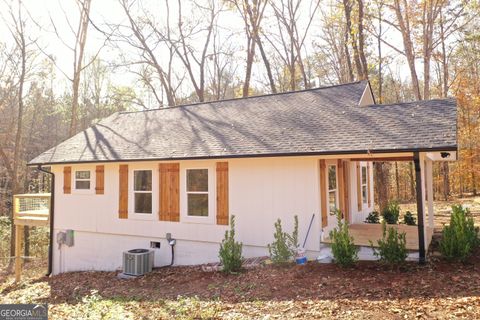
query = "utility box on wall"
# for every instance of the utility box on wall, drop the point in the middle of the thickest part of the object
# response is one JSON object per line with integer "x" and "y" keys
{"x": 69, "y": 239}
{"x": 66, "y": 238}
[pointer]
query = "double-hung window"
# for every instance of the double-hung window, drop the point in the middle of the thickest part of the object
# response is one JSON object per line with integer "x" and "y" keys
{"x": 142, "y": 191}
{"x": 82, "y": 180}
{"x": 364, "y": 184}
{"x": 332, "y": 188}
{"x": 197, "y": 192}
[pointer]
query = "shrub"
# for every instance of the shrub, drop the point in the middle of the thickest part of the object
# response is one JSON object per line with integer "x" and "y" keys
{"x": 344, "y": 251}
{"x": 373, "y": 217}
{"x": 409, "y": 219}
{"x": 284, "y": 247}
{"x": 459, "y": 238}
{"x": 391, "y": 212}
{"x": 231, "y": 251}
{"x": 392, "y": 247}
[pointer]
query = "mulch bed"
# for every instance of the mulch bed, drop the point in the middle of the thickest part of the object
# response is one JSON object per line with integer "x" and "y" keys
{"x": 369, "y": 290}
{"x": 367, "y": 280}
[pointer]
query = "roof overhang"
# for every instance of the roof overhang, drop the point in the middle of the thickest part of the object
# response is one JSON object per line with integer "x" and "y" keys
{"x": 434, "y": 154}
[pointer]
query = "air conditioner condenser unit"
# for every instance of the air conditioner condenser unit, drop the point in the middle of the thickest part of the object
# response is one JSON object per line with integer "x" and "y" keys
{"x": 137, "y": 262}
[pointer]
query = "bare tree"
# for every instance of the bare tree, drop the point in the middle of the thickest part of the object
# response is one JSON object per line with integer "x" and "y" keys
{"x": 403, "y": 10}
{"x": 290, "y": 39}
{"x": 332, "y": 58}
{"x": 361, "y": 41}
{"x": 194, "y": 63}
{"x": 252, "y": 12}
{"x": 21, "y": 60}
{"x": 78, "y": 51}
{"x": 139, "y": 35}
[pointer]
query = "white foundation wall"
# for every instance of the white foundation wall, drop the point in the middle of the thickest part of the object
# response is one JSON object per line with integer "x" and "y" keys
{"x": 260, "y": 191}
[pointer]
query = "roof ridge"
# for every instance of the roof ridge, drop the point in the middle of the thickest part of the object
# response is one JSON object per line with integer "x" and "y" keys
{"x": 245, "y": 98}
{"x": 414, "y": 102}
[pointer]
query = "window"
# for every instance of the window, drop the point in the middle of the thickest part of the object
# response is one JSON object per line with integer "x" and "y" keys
{"x": 82, "y": 180}
{"x": 332, "y": 188}
{"x": 197, "y": 192}
{"x": 142, "y": 191}
{"x": 364, "y": 184}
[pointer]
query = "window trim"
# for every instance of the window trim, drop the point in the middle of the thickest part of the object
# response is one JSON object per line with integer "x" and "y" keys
{"x": 362, "y": 185}
{"x": 184, "y": 217}
{"x": 141, "y": 191}
{"x": 198, "y": 192}
{"x": 132, "y": 215}
{"x": 92, "y": 180}
{"x": 332, "y": 190}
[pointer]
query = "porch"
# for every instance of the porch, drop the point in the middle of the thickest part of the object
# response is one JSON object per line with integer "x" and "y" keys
{"x": 356, "y": 200}
{"x": 363, "y": 233}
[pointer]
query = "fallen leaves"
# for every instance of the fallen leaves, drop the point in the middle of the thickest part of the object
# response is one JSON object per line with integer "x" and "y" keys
{"x": 367, "y": 291}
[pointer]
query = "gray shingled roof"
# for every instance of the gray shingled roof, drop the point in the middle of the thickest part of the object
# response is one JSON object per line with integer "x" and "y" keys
{"x": 317, "y": 121}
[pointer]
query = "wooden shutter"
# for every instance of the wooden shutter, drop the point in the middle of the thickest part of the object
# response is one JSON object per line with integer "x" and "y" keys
{"x": 359, "y": 187}
{"x": 222, "y": 193}
{"x": 169, "y": 192}
{"x": 341, "y": 187}
{"x": 323, "y": 193}
{"x": 123, "y": 192}
{"x": 67, "y": 180}
{"x": 346, "y": 188}
{"x": 99, "y": 179}
{"x": 369, "y": 199}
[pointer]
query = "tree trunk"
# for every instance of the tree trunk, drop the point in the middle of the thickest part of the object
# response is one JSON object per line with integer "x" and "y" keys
{"x": 347, "y": 5}
{"x": 397, "y": 181}
{"x": 20, "y": 40}
{"x": 381, "y": 184}
{"x": 380, "y": 60}
{"x": 80, "y": 43}
{"x": 404, "y": 25}
{"x": 248, "y": 71}
{"x": 361, "y": 42}
{"x": 412, "y": 181}
{"x": 267, "y": 65}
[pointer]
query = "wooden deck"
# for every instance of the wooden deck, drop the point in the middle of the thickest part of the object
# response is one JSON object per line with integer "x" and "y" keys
{"x": 28, "y": 210}
{"x": 363, "y": 233}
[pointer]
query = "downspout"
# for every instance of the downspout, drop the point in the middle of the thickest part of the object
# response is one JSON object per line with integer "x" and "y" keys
{"x": 52, "y": 215}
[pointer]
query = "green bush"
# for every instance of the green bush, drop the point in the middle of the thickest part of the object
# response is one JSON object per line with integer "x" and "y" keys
{"x": 391, "y": 212}
{"x": 392, "y": 248}
{"x": 373, "y": 217}
{"x": 460, "y": 238}
{"x": 344, "y": 251}
{"x": 284, "y": 247}
{"x": 231, "y": 251}
{"x": 409, "y": 219}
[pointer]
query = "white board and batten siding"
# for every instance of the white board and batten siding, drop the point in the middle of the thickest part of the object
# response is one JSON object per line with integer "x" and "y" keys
{"x": 261, "y": 190}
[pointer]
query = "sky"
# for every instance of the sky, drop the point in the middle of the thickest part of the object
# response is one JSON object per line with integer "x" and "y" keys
{"x": 110, "y": 11}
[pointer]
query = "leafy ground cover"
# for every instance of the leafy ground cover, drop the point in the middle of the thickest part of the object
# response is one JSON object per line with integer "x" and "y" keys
{"x": 443, "y": 209}
{"x": 440, "y": 290}
{"x": 367, "y": 291}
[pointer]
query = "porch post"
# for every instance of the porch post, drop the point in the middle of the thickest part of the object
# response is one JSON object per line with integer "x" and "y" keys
{"x": 429, "y": 182}
{"x": 420, "y": 207}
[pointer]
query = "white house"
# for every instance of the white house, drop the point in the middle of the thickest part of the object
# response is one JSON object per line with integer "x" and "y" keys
{"x": 136, "y": 176}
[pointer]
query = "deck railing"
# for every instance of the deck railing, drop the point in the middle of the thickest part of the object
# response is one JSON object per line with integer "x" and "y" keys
{"x": 31, "y": 209}
{"x": 28, "y": 210}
